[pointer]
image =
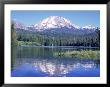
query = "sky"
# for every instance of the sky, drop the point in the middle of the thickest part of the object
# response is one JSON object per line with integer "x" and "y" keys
{"x": 78, "y": 17}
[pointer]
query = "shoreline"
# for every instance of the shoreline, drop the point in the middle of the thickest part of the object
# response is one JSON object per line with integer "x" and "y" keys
{"x": 56, "y": 46}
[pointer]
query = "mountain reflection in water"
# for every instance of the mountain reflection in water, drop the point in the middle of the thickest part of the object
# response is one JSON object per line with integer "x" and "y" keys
{"x": 54, "y": 67}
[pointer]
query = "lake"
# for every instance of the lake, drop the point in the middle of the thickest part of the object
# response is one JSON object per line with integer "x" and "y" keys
{"x": 47, "y": 61}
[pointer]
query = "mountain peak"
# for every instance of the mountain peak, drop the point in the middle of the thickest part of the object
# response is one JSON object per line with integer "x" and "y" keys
{"x": 55, "y": 22}
{"x": 18, "y": 25}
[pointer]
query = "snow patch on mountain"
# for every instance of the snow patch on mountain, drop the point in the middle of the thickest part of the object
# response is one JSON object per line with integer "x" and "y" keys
{"x": 89, "y": 27}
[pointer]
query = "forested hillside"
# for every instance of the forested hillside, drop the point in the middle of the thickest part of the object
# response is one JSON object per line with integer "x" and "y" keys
{"x": 54, "y": 38}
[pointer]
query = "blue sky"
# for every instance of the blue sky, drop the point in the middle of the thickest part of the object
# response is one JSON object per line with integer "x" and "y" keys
{"x": 81, "y": 18}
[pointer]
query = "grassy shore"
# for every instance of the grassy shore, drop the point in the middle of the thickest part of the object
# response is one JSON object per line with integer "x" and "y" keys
{"x": 89, "y": 54}
{"x": 20, "y": 43}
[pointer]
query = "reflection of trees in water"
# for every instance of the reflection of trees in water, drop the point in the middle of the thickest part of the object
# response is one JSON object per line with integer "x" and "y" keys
{"x": 34, "y": 52}
{"x": 13, "y": 56}
{"x": 49, "y": 52}
{"x": 57, "y": 67}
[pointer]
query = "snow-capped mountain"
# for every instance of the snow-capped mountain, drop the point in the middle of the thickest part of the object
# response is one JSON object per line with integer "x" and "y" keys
{"x": 19, "y": 25}
{"x": 89, "y": 27}
{"x": 53, "y": 22}
{"x": 30, "y": 27}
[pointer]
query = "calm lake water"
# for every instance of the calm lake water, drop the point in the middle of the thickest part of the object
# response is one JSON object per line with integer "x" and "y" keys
{"x": 48, "y": 62}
